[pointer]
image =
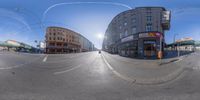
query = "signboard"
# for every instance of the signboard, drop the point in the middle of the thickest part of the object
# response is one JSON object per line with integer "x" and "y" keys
{"x": 149, "y": 42}
{"x": 129, "y": 38}
{"x": 42, "y": 45}
{"x": 184, "y": 39}
{"x": 166, "y": 16}
{"x": 150, "y": 34}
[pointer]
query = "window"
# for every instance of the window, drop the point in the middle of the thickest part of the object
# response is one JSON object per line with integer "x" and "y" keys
{"x": 133, "y": 30}
{"x": 134, "y": 20}
{"x": 126, "y": 32}
{"x": 149, "y": 27}
{"x": 120, "y": 27}
{"x": 49, "y": 38}
{"x": 125, "y": 23}
{"x": 121, "y": 35}
{"x": 149, "y": 18}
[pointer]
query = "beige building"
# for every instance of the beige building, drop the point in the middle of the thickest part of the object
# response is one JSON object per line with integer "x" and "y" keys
{"x": 62, "y": 40}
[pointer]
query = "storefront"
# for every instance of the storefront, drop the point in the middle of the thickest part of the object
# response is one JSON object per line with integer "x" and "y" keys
{"x": 149, "y": 48}
{"x": 150, "y": 44}
{"x": 128, "y": 46}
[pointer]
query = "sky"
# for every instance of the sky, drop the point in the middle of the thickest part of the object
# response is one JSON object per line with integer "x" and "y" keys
{"x": 26, "y": 20}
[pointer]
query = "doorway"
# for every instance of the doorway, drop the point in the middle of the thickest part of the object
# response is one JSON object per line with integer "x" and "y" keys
{"x": 149, "y": 48}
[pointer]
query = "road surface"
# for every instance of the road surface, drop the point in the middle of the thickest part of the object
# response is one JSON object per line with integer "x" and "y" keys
{"x": 93, "y": 76}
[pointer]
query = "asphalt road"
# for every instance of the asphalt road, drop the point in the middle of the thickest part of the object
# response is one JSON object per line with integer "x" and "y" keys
{"x": 89, "y": 76}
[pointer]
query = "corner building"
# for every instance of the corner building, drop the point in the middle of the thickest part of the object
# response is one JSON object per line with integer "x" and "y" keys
{"x": 137, "y": 32}
{"x": 62, "y": 40}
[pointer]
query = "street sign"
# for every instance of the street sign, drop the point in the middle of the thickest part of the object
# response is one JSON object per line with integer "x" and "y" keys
{"x": 150, "y": 34}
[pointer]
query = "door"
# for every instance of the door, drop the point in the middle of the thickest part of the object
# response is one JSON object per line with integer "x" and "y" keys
{"x": 149, "y": 48}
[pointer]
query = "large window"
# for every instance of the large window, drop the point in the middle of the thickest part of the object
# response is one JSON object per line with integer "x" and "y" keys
{"x": 149, "y": 27}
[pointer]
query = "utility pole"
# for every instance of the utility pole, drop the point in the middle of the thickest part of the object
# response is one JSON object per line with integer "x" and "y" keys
{"x": 175, "y": 40}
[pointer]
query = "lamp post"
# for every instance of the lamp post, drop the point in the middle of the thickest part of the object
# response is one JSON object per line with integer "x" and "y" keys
{"x": 175, "y": 39}
{"x": 178, "y": 44}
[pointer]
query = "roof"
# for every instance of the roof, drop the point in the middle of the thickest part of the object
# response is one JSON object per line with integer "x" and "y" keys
{"x": 189, "y": 42}
{"x": 4, "y": 44}
{"x": 152, "y": 7}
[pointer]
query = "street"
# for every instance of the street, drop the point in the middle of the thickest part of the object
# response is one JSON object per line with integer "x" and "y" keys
{"x": 94, "y": 76}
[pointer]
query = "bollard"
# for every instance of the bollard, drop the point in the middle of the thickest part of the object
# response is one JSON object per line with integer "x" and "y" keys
{"x": 160, "y": 55}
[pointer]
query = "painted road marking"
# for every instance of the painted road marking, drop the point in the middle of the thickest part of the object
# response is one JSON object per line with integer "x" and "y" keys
{"x": 117, "y": 73}
{"x": 178, "y": 60}
{"x": 45, "y": 58}
{"x": 196, "y": 68}
{"x": 65, "y": 71}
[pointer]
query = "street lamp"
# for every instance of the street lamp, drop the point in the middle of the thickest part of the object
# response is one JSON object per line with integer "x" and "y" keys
{"x": 175, "y": 39}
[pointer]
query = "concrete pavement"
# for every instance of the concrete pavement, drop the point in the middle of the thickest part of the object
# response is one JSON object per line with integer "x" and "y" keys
{"x": 144, "y": 71}
{"x": 86, "y": 76}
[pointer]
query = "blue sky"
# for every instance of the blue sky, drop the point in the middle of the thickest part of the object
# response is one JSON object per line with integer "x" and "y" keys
{"x": 26, "y": 20}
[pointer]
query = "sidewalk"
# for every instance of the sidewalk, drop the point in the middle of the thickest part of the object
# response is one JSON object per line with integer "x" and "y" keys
{"x": 144, "y": 71}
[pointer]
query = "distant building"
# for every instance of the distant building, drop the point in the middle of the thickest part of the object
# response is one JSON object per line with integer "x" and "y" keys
{"x": 137, "y": 32}
{"x": 185, "y": 44}
{"x": 62, "y": 40}
{"x": 12, "y": 45}
{"x": 13, "y": 42}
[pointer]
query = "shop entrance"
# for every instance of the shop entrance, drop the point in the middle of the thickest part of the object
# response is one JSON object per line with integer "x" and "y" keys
{"x": 149, "y": 48}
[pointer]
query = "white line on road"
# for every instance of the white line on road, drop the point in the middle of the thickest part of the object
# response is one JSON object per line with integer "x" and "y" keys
{"x": 178, "y": 60}
{"x": 45, "y": 58}
{"x": 117, "y": 73}
{"x": 65, "y": 71}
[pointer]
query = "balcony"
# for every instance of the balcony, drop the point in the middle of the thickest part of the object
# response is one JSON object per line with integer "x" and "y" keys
{"x": 166, "y": 15}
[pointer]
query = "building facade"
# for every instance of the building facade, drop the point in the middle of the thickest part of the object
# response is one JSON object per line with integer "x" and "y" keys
{"x": 62, "y": 40}
{"x": 137, "y": 32}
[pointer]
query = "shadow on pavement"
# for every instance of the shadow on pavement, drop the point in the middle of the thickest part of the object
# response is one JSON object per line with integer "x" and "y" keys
{"x": 167, "y": 55}
{"x": 173, "y": 54}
